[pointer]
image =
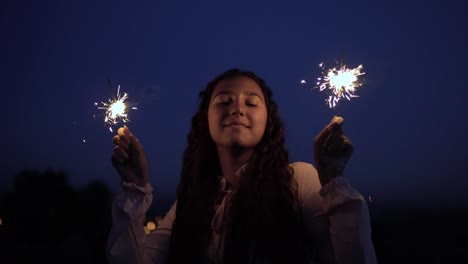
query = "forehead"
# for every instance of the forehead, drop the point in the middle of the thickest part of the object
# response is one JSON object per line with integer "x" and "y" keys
{"x": 236, "y": 85}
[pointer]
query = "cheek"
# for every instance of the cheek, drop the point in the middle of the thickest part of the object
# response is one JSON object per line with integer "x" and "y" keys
{"x": 262, "y": 120}
{"x": 210, "y": 120}
{"x": 213, "y": 120}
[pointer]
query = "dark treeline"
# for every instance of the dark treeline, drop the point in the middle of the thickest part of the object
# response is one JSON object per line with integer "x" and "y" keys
{"x": 45, "y": 219}
{"x": 416, "y": 235}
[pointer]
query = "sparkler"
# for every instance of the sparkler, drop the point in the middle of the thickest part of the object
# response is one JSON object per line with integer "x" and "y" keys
{"x": 341, "y": 83}
{"x": 116, "y": 109}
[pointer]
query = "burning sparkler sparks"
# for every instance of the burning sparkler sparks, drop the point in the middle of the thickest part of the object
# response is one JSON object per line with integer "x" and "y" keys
{"x": 341, "y": 83}
{"x": 116, "y": 109}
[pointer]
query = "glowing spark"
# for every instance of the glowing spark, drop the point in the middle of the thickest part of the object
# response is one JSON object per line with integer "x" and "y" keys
{"x": 151, "y": 225}
{"x": 116, "y": 110}
{"x": 341, "y": 82}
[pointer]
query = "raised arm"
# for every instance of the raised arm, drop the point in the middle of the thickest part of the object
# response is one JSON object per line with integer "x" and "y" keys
{"x": 336, "y": 218}
{"x": 127, "y": 241}
{"x": 127, "y": 238}
{"x": 343, "y": 211}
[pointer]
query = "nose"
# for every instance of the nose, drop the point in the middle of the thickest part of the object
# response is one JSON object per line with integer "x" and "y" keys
{"x": 237, "y": 109}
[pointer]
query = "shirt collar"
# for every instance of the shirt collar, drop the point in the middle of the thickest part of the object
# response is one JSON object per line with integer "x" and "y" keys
{"x": 225, "y": 185}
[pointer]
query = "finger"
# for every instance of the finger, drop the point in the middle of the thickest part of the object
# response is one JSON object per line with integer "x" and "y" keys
{"x": 133, "y": 141}
{"x": 335, "y": 148}
{"x": 116, "y": 159}
{"x": 120, "y": 153}
{"x": 123, "y": 136}
{"x": 342, "y": 147}
{"x": 334, "y": 140}
{"x": 334, "y": 125}
{"x": 118, "y": 142}
{"x": 337, "y": 121}
{"x": 348, "y": 148}
{"x": 332, "y": 137}
{"x": 322, "y": 136}
{"x": 336, "y": 131}
{"x": 334, "y": 145}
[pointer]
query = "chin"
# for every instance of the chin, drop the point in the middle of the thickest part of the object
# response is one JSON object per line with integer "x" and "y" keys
{"x": 234, "y": 144}
{"x": 238, "y": 145}
{"x": 239, "y": 149}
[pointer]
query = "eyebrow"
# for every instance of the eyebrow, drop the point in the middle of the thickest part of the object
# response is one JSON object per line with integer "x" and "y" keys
{"x": 249, "y": 93}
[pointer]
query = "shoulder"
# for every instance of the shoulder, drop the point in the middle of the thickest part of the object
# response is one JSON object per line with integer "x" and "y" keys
{"x": 304, "y": 172}
{"x": 306, "y": 177}
{"x": 302, "y": 167}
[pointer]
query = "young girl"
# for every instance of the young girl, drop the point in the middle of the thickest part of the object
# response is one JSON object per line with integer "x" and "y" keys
{"x": 239, "y": 199}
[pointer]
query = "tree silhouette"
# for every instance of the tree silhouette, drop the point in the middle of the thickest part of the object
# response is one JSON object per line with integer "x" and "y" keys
{"x": 44, "y": 218}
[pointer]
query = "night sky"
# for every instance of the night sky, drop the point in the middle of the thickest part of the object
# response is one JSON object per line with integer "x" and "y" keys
{"x": 408, "y": 126}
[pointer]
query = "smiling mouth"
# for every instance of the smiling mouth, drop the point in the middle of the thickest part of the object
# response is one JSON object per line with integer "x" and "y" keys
{"x": 236, "y": 125}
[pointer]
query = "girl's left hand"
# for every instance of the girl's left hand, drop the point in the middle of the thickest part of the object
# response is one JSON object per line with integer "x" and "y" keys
{"x": 332, "y": 150}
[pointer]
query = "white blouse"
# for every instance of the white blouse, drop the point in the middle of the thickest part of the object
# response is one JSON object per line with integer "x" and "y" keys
{"x": 336, "y": 217}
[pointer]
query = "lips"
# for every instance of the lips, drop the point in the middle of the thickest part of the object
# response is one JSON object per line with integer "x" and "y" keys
{"x": 236, "y": 123}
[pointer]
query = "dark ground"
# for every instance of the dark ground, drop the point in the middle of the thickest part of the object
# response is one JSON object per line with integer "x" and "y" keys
{"x": 420, "y": 235}
{"x": 45, "y": 219}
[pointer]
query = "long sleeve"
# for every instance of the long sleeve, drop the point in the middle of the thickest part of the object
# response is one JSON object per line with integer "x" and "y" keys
{"x": 127, "y": 242}
{"x": 336, "y": 216}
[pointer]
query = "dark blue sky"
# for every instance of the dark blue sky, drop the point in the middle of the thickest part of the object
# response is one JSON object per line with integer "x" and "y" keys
{"x": 408, "y": 126}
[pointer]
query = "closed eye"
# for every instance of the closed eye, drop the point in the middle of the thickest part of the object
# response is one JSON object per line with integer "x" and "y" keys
{"x": 252, "y": 102}
{"x": 224, "y": 102}
{"x": 223, "y": 99}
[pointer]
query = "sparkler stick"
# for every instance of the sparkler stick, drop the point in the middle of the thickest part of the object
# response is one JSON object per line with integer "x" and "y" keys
{"x": 116, "y": 109}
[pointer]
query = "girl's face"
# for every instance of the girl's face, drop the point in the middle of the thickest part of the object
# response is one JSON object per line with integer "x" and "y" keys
{"x": 237, "y": 113}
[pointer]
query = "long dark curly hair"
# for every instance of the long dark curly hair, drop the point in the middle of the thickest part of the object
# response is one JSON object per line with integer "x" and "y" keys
{"x": 264, "y": 220}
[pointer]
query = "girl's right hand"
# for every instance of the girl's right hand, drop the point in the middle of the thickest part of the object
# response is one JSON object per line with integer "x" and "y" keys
{"x": 332, "y": 151}
{"x": 129, "y": 158}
